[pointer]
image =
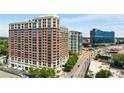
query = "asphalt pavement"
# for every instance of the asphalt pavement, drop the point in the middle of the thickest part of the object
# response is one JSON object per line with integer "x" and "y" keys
{"x": 7, "y": 75}
{"x": 81, "y": 66}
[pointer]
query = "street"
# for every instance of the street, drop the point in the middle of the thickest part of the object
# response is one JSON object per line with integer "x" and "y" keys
{"x": 81, "y": 66}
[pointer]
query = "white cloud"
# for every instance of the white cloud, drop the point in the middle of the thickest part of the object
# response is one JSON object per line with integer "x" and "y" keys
{"x": 114, "y": 22}
{"x": 95, "y": 17}
{"x": 4, "y": 30}
{"x": 107, "y": 22}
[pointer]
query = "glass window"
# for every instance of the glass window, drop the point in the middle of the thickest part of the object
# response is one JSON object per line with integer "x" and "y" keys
{"x": 49, "y": 22}
{"x": 34, "y": 25}
{"x": 26, "y": 26}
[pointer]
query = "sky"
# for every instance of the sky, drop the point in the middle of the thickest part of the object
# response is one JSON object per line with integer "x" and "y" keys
{"x": 79, "y": 22}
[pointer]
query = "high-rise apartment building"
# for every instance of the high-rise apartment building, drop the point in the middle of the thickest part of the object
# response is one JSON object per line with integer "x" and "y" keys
{"x": 64, "y": 52}
{"x": 40, "y": 42}
{"x": 75, "y": 42}
{"x": 98, "y": 37}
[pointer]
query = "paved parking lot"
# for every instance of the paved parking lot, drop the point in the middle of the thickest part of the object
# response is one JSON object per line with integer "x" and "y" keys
{"x": 7, "y": 75}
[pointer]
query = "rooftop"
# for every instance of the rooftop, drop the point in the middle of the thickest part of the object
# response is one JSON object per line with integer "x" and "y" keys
{"x": 47, "y": 16}
{"x": 40, "y": 17}
{"x": 95, "y": 29}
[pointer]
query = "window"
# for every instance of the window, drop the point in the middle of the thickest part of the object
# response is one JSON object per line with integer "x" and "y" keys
{"x": 26, "y": 26}
{"x": 12, "y": 34}
{"x": 34, "y": 25}
{"x": 39, "y": 25}
{"x": 29, "y": 25}
{"x": 18, "y": 26}
{"x": 34, "y": 34}
{"x": 49, "y": 22}
{"x": 12, "y": 58}
{"x": 34, "y": 62}
{"x": 54, "y": 66}
{"x": 26, "y": 33}
{"x": 22, "y": 26}
{"x": 12, "y": 26}
{"x": 15, "y": 26}
{"x": 19, "y": 59}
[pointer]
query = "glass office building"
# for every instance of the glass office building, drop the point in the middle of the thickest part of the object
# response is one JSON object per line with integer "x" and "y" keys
{"x": 98, "y": 37}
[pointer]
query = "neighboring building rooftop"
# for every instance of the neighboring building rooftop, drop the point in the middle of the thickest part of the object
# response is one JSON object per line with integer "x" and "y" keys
{"x": 97, "y": 30}
{"x": 74, "y": 31}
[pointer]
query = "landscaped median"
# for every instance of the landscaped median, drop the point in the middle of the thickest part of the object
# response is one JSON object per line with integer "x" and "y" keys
{"x": 70, "y": 63}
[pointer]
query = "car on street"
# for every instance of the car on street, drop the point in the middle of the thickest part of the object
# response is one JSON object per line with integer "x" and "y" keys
{"x": 72, "y": 76}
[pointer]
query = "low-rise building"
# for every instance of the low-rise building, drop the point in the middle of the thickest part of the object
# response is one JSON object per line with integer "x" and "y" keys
{"x": 119, "y": 40}
{"x": 86, "y": 42}
{"x": 2, "y": 59}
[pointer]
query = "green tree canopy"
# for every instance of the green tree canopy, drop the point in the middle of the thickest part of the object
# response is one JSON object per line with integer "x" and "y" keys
{"x": 3, "y": 47}
{"x": 97, "y": 56}
{"x": 42, "y": 72}
{"x": 103, "y": 74}
{"x": 71, "y": 62}
{"x": 118, "y": 60}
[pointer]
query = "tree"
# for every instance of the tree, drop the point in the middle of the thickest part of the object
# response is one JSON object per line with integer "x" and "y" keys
{"x": 42, "y": 72}
{"x": 70, "y": 52}
{"x": 51, "y": 73}
{"x": 31, "y": 72}
{"x": 36, "y": 72}
{"x": 71, "y": 62}
{"x": 68, "y": 67}
{"x": 97, "y": 56}
{"x": 103, "y": 74}
{"x": 4, "y": 47}
{"x": 118, "y": 60}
